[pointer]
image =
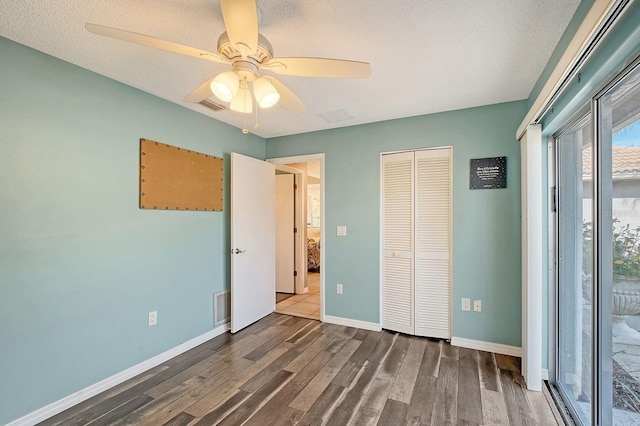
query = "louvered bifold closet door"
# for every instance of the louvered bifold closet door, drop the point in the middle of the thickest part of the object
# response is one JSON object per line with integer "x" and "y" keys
{"x": 397, "y": 242}
{"x": 433, "y": 243}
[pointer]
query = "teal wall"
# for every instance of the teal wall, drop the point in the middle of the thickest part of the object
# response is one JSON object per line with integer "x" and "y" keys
{"x": 486, "y": 223}
{"x": 80, "y": 264}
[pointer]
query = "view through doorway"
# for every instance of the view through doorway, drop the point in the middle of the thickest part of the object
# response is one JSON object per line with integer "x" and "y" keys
{"x": 306, "y": 299}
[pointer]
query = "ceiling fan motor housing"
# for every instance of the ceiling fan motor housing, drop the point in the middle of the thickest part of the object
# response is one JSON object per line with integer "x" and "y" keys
{"x": 245, "y": 66}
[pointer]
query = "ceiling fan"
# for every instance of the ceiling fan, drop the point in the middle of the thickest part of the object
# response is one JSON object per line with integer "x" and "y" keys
{"x": 248, "y": 53}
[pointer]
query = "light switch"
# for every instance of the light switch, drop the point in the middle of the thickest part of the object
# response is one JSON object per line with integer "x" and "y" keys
{"x": 153, "y": 318}
{"x": 342, "y": 231}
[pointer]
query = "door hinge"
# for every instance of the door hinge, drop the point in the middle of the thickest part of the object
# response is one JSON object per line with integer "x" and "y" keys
{"x": 295, "y": 273}
{"x": 295, "y": 186}
{"x": 295, "y": 230}
{"x": 554, "y": 199}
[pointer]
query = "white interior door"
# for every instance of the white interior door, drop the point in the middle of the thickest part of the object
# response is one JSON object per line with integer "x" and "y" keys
{"x": 252, "y": 240}
{"x": 397, "y": 242}
{"x": 285, "y": 250}
{"x": 433, "y": 243}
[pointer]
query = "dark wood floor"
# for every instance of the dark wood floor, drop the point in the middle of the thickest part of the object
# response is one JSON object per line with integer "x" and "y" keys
{"x": 288, "y": 370}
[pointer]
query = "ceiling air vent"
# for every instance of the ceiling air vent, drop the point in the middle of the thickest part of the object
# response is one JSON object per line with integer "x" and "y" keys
{"x": 211, "y": 105}
{"x": 335, "y": 116}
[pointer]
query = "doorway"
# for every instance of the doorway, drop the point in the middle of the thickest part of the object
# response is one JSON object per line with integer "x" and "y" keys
{"x": 288, "y": 221}
{"x": 307, "y": 300}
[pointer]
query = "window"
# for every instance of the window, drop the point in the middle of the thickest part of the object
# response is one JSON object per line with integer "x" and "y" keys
{"x": 313, "y": 205}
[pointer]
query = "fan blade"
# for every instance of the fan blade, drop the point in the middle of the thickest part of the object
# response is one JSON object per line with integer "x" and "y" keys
{"x": 288, "y": 99}
{"x": 202, "y": 92}
{"x": 241, "y": 20}
{"x": 154, "y": 42}
{"x": 319, "y": 67}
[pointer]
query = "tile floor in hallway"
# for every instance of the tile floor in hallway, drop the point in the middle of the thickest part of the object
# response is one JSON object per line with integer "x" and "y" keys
{"x": 304, "y": 305}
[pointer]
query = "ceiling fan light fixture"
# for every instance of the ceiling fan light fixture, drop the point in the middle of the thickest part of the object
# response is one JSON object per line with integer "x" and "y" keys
{"x": 242, "y": 102}
{"x": 225, "y": 86}
{"x": 266, "y": 95}
{"x": 248, "y": 52}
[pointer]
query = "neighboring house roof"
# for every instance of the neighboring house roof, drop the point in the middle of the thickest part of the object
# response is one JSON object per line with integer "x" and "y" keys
{"x": 626, "y": 161}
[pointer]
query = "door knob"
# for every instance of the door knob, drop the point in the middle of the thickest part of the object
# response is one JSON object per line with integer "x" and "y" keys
{"x": 237, "y": 251}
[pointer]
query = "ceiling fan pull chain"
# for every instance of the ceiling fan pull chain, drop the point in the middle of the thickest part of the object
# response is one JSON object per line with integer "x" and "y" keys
{"x": 245, "y": 130}
{"x": 257, "y": 126}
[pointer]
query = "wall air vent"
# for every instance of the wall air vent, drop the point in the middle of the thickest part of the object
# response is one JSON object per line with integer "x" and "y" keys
{"x": 221, "y": 307}
{"x": 211, "y": 105}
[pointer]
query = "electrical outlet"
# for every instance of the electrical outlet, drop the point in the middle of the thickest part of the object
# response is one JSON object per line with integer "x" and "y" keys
{"x": 477, "y": 305}
{"x": 153, "y": 318}
{"x": 341, "y": 231}
{"x": 466, "y": 304}
{"x": 339, "y": 288}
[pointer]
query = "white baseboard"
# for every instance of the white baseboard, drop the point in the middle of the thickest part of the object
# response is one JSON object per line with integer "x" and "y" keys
{"x": 92, "y": 390}
{"x": 353, "y": 323}
{"x": 545, "y": 374}
{"x": 487, "y": 346}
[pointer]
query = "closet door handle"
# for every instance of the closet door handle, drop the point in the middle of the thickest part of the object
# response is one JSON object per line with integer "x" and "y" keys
{"x": 237, "y": 251}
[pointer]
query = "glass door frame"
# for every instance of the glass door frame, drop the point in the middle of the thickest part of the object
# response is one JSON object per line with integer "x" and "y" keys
{"x": 577, "y": 121}
{"x": 599, "y": 108}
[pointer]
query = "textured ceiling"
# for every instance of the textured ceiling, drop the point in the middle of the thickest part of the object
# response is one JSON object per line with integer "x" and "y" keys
{"x": 426, "y": 55}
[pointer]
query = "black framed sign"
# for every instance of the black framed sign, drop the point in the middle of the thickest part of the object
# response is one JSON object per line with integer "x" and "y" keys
{"x": 488, "y": 173}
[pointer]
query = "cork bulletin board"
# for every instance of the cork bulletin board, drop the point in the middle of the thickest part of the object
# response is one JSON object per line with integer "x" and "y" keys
{"x": 174, "y": 178}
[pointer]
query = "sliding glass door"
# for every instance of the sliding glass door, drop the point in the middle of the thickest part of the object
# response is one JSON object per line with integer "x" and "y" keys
{"x": 598, "y": 249}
